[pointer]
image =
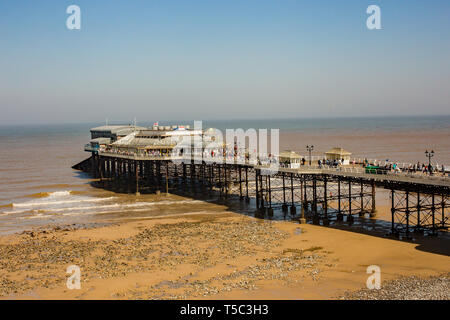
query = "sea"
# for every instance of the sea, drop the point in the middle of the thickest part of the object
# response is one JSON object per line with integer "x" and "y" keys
{"x": 38, "y": 187}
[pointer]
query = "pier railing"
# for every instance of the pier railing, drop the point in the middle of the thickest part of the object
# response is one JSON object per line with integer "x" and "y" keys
{"x": 389, "y": 175}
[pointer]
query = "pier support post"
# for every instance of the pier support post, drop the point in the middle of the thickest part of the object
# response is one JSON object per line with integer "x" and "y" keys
{"x": 339, "y": 216}
{"x": 101, "y": 166}
{"x": 167, "y": 178}
{"x": 373, "y": 211}
{"x": 419, "y": 208}
{"x": 125, "y": 174}
{"x": 106, "y": 168}
{"x": 211, "y": 177}
{"x": 93, "y": 165}
{"x": 136, "y": 172}
{"x": 284, "y": 206}
{"x": 350, "y": 218}
{"x": 257, "y": 189}
{"x": 225, "y": 173}
{"x": 150, "y": 178}
{"x": 433, "y": 217}
{"x": 270, "y": 209}
{"x": 443, "y": 210}
{"x": 326, "y": 221}
{"x": 158, "y": 177}
{"x": 314, "y": 202}
{"x": 247, "y": 197}
{"x": 241, "y": 197}
{"x": 393, "y": 212}
{"x": 192, "y": 175}
{"x": 305, "y": 195}
{"x": 262, "y": 206}
{"x": 119, "y": 174}
{"x": 362, "y": 212}
{"x": 130, "y": 176}
{"x": 219, "y": 169}
{"x": 293, "y": 209}
{"x": 302, "y": 219}
{"x": 176, "y": 180}
{"x": 407, "y": 212}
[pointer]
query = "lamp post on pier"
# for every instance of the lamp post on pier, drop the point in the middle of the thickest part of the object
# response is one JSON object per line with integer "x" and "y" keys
{"x": 310, "y": 149}
{"x": 429, "y": 155}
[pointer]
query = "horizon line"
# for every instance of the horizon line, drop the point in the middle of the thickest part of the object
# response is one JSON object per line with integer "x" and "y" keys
{"x": 122, "y": 122}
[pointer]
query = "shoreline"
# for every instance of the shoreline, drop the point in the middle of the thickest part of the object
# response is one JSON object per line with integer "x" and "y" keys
{"x": 220, "y": 255}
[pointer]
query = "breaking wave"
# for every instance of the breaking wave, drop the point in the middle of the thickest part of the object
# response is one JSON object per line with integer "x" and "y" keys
{"x": 68, "y": 203}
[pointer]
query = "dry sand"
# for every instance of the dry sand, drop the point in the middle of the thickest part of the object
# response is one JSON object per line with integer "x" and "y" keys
{"x": 223, "y": 255}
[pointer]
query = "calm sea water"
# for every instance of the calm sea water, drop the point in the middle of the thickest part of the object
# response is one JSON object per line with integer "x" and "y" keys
{"x": 38, "y": 186}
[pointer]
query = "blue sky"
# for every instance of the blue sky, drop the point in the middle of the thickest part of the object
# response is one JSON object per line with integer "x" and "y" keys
{"x": 189, "y": 60}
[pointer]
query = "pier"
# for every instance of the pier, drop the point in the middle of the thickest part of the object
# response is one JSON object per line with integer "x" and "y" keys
{"x": 321, "y": 194}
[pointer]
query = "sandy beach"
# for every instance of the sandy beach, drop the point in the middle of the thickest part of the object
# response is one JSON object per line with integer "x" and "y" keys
{"x": 220, "y": 255}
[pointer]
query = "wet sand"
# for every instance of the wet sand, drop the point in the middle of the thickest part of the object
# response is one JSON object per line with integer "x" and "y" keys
{"x": 221, "y": 255}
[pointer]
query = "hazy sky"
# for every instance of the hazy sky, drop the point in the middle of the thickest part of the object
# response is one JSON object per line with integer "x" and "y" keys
{"x": 187, "y": 59}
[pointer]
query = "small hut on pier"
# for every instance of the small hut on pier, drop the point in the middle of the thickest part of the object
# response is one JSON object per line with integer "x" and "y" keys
{"x": 290, "y": 159}
{"x": 338, "y": 154}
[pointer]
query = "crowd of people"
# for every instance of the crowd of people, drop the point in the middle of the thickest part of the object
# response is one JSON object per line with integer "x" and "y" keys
{"x": 423, "y": 168}
{"x": 416, "y": 168}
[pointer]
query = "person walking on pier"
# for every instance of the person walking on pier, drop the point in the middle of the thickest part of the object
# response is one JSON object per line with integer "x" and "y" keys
{"x": 335, "y": 163}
